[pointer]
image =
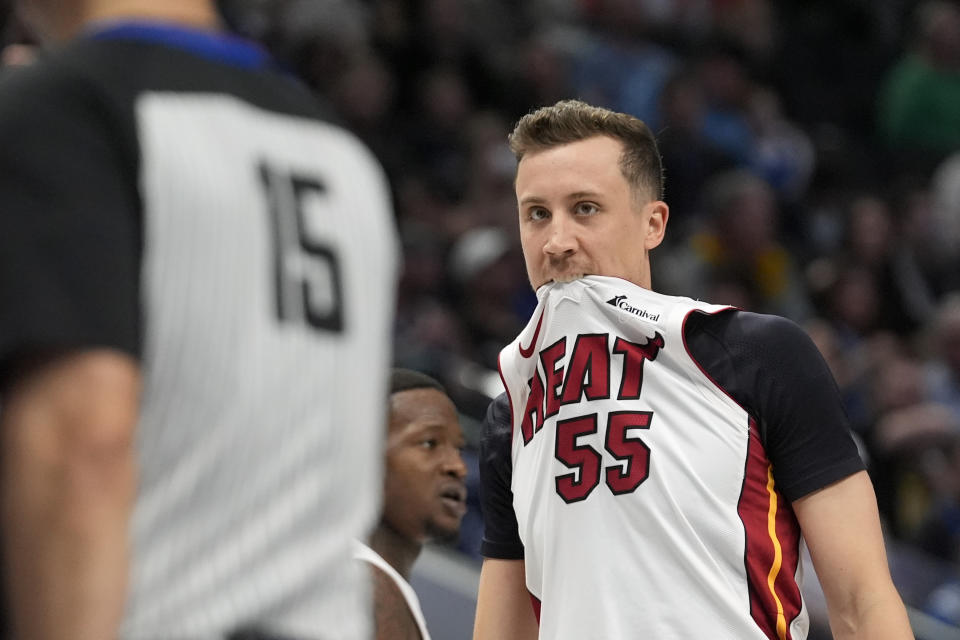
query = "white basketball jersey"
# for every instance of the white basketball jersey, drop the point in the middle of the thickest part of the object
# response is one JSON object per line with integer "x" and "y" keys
{"x": 366, "y": 554}
{"x": 644, "y": 499}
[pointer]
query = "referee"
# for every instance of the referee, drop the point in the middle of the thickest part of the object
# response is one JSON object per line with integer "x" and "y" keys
{"x": 196, "y": 280}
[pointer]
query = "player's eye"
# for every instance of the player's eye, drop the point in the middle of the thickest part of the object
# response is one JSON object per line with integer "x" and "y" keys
{"x": 430, "y": 443}
{"x": 537, "y": 213}
{"x": 586, "y": 208}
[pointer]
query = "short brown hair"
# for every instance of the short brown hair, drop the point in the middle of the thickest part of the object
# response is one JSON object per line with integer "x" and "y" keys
{"x": 572, "y": 120}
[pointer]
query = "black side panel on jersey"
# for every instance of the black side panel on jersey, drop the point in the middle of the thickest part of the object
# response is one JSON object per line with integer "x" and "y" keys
{"x": 69, "y": 168}
{"x": 500, "y": 532}
{"x": 770, "y": 366}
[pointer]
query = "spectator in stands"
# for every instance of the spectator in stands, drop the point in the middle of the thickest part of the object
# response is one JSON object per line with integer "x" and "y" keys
{"x": 909, "y": 440}
{"x": 939, "y": 532}
{"x": 943, "y": 243}
{"x": 619, "y": 65}
{"x": 493, "y": 296}
{"x": 727, "y": 88}
{"x": 742, "y": 239}
{"x": 782, "y": 153}
{"x": 689, "y": 156}
{"x": 942, "y": 372}
{"x": 918, "y": 105}
{"x": 874, "y": 242}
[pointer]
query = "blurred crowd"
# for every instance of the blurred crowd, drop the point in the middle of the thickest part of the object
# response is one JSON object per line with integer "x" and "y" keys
{"x": 812, "y": 157}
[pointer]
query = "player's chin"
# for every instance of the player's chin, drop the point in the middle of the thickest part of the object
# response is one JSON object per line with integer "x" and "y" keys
{"x": 444, "y": 528}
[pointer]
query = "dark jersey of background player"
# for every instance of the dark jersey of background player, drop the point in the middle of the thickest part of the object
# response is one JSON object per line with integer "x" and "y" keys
{"x": 182, "y": 334}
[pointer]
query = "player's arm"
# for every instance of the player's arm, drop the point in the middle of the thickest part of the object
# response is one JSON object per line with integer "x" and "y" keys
{"x": 771, "y": 367}
{"x": 842, "y": 528}
{"x": 67, "y": 483}
{"x": 391, "y": 614}
{"x": 503, "y": 602}
{"x": 817, "y": 467}
{"x": 69, "y": 339}
{"x": 504, "y": 609}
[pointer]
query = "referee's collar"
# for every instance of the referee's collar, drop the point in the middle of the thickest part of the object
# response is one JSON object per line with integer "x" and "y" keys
{"x": 214, "y": 45}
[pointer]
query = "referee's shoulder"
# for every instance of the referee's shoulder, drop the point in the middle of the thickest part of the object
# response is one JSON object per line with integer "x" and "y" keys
{"x": 50, "y": 80}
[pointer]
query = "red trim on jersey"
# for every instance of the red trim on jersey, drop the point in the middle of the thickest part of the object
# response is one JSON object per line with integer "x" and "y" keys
{"x": 772, "y": 552}
{"x": 503, "y": 381}
{"x": 535, "y": 603}
{"x": 528, "y": 351}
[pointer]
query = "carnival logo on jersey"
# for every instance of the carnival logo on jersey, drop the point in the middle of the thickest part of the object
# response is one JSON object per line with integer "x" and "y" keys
{"x": 620, "y": 302}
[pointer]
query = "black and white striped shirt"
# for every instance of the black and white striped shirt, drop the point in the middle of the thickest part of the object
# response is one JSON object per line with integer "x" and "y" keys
{"x": 167, "y": 193}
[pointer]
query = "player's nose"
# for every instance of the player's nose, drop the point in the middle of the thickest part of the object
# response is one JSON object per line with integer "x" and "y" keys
{"x": 562, "y": 237}
{"x": 453, "y": 465}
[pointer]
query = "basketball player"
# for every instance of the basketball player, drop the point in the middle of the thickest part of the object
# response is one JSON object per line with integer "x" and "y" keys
{"x": 424, "y": 498}
{"x": 196, "y": 279}
{"x": 657, "y": 462}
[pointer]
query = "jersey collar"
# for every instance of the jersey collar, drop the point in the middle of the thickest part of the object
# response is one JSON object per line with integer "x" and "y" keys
{"x": 217, "y": 46}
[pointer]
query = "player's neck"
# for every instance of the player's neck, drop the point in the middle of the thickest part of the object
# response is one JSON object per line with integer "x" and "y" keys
{"x": 194, "y": 13}
{"x": 199, "y": 14}
{"x": 398, "y": 550}
{"x": 62, "y": 23}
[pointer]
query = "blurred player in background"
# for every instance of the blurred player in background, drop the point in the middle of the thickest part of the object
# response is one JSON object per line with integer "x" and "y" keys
{"x": 658, "y": 462}
{"x": 424, "y": 498}
{"x": 196, "y": 280}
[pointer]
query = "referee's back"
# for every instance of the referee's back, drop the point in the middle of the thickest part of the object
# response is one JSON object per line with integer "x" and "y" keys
{"x": 213, "y": 226}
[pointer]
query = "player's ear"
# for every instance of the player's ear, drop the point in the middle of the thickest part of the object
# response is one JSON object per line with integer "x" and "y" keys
{"x": 657, "y": 213}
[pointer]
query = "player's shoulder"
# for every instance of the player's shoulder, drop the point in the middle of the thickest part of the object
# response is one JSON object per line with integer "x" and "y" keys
{"x": 498, "y": 412}
{"x": 393, "y": 611}
{"x": 748, "y": 341}
{"x": 497, "y": 429}
{"x": 43, "y": 103}
{"x": 46, "y": 82}
{"x": 736, "y": 326}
